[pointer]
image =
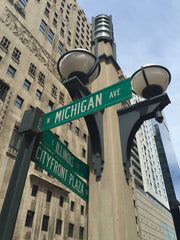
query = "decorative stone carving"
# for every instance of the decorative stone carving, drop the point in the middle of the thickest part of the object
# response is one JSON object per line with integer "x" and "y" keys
{"x": 3, "y": 108}
{"x": 21, "y": 32}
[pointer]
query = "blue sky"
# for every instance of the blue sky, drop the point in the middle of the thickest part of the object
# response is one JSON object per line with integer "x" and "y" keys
{"x": 147, "y": 31}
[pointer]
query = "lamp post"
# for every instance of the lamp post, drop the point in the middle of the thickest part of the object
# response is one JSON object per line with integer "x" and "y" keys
{"x": 150, "y": 82}
{"x": 77, "y": 68}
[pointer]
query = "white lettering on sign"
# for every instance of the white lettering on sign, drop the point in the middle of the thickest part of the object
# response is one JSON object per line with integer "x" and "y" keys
{"x": 78, "y": 108}
{"x": 76, "y": 184}
{"x": 51, "y": 163}
{"x": 64, "y": 154}
{"x": 114, "y": 93}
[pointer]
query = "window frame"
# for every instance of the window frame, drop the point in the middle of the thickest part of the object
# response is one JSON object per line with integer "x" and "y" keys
{"x": 59, "y": 226}
{"x": 27, "y": 84}
{"x": 38, "y": 94}
{"x": 29, "y": 218}
{"x": 19, "y": 102}
{"x": 45, "y": 223}
{"x": 22, "y": 3}
{"x": 11, "y": 71}
{"x": 50, "y": 36}
{"x": 42, "y": 27}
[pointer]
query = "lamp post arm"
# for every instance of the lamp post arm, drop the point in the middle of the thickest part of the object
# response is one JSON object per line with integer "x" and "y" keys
{"x": 131, "y": 118}
{"x": 94, "y": 123}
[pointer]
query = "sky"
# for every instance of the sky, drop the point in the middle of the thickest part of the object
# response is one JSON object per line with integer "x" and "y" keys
{"x": 147, "y": 31}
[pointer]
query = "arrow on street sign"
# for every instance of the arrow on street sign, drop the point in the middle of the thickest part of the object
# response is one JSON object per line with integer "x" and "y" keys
{"x": 60, "y": 151}
{"x": 94, "y": 102}
{"x": 48, "y": 161}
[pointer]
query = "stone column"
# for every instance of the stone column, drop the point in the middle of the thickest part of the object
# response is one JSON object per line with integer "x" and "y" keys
{"x": 111, "y": 214}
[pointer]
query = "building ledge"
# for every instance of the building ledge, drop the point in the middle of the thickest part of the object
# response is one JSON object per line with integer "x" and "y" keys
{"x": 40, "y": 177}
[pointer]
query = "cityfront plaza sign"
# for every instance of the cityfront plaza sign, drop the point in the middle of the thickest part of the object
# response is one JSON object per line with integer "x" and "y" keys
{"x": 54, "y": 157}
{"x": 53, "y": 165}
{"x": 99, "y": 100}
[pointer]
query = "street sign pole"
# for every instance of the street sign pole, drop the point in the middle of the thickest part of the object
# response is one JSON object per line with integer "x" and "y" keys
{"x": 15, "y": 189}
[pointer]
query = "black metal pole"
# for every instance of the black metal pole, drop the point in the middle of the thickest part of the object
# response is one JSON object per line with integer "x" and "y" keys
{"x": 30, "y": 128}
{"x": 15, "y": 189}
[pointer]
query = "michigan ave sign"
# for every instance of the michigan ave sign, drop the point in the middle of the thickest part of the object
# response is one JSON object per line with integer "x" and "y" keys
{"x": 94, "y": 102}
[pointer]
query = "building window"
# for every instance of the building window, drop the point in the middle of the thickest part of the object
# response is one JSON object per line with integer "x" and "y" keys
{"x": 3, "y": 90}
{"x": 77, "y": 43}
{"x": 71, "y": 229}
{"x": 15, "y": 139}
{"x": 60, "y": 48}
{"x": 61, "y": 201}
{"x": 54, "y": 22}
{"x": 58, "y": 227}
{"x": 77, "y": 131}
{"x": 69, "y": 125}
{"x": 166, "y": 234}
{"x": 22, "y": 3}
{"x": 29, "y": 218}
{"x": 45, "y": 223}
{"x": 38, "y": 94}
{"x": 84, "y": 137}
{"x": 66, "y": 143}
{"x": 83, "y": 153}
{"x": 69, "y": 41}
{"x": 11, "y": 71}
{"x": 19, "y": 102}
{"x": 61, "y": 98}
{"x": 54, "y": 91}
{"x": 46, "y": 11}
{"x": 50, "y": 36}
{"x": 41, "y": 79}
{"x": 50, "y": 105}
{"x": 5, "y": 43}
{"x": 62, "y": 32}
{"x": 16, "y": 54}
{"x": 34, "y": 190}
{"x": 72, "y": 206}
{"x": 48, "y": 197}
{"x": 82, "y": 210}
{"x": 27, "y": 84}
{"x": 172, "y": 233}
{"x": 81, "y": 233}
{"x": 32, "y": 70}
{"x": 43, "y": 27}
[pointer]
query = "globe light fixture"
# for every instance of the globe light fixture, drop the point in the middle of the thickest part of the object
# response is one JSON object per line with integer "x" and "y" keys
{"x": 80, "y": 63}
{"x": 150, "y": 80}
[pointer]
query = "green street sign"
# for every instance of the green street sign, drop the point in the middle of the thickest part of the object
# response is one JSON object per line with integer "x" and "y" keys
{"x": 94, "y": 102}
{"x": 64, "y": 155}
{"x": 48, "y": 161}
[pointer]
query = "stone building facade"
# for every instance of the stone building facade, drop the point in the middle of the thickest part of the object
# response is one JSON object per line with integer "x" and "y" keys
{"x": 33, "y": 36}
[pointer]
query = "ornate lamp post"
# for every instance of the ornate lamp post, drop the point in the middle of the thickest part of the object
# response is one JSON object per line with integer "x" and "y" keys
{"x": 77, "y": 68}
{"x": 150, "y": 82}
